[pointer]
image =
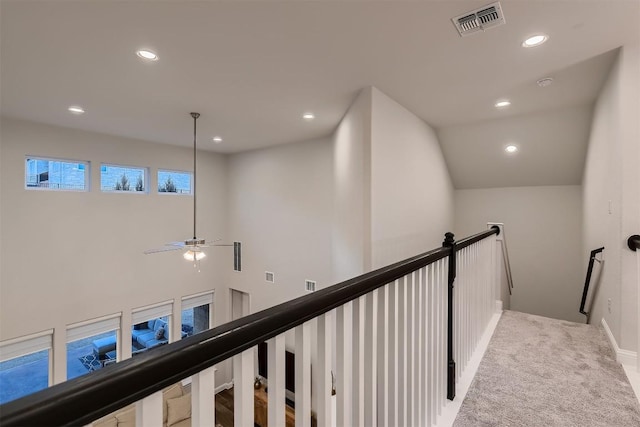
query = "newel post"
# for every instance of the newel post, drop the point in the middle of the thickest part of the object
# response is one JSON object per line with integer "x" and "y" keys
{"x": 449, "y": 242}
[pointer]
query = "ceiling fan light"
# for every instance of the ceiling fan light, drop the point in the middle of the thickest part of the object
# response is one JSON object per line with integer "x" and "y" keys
{"x": 193, "y": 256}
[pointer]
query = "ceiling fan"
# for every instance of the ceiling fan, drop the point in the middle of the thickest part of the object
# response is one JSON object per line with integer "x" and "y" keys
{"x": 192, "y": 247}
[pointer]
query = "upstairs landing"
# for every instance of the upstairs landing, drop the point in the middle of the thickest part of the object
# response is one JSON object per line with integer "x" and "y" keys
{"x": 545, "y": 372}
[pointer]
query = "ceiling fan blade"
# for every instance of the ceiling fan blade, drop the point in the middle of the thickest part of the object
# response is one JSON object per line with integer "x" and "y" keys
{"x": 166, "y": 248}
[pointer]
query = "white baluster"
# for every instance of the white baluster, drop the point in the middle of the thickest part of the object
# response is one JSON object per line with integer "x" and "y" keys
{"x": 323, "y": 369}
{"x": 393, "y": 353}
{"x": 358, "y": 362}
{"x": 371, "y": 358}
{"x": 303, "y": 375}
{"x": 444, "y": 271}
{"x": 276, "y": 374}
{"x": 433, "y": 334}
{"x": 149, "y": 411}
{"x": 402, "y": 352}
{"x": 203, "y": 398}
{"x": 412, "y": 403}
{"x": 383, "y": 385}
{"x": 243, "y": 415}
{"x": 343, "y": 365}
{"x": 440, "y": 332}
{"x": 421, "y": 321}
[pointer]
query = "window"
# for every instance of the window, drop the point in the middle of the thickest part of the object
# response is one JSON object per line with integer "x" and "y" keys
{"x": 151, "y": 327}
{"x": 123, "y": 179}
{"x": 174, "y": 182}
{"x": 49, "y": 174}
{"x": 25, "y": 366}
{"x": 196, "y": 314}
{"x": 92, "y": 345}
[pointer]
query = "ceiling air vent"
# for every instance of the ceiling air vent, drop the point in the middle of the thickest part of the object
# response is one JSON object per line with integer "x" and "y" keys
{"x": 480, "y": 19}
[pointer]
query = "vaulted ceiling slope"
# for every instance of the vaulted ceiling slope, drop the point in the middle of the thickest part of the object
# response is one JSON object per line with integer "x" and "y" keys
{"x": 253, "y": 68}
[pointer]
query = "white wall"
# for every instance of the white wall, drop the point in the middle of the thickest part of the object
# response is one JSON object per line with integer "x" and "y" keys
{"x": 280, "y": 208}
{"x": 393, "y": 194}
{"x": 543, "y": 230}
{"x": 611, "y": 190}
{"x": 351, "y": 234}
{"x": 73, "y": 256}
{"x": 411, "y": 190}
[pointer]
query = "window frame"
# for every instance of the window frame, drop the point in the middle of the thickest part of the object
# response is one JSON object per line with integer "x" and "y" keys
{"x": 197, "y": 300}
{"x": 30, "y": 344}
{"x": 190, "y": 193}
{"x": 89, "y": 328}
{"x": 146, "y": 175}
{"x": 87, "y": 174}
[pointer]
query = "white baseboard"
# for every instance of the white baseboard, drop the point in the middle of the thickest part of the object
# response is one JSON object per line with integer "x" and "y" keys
{"x": 628, "y": 360}
{"x": 499, "y": 306}
{"x": 222, "y": 387}
{"x": 452, "y": 407}
{"x": 624, "y": 357}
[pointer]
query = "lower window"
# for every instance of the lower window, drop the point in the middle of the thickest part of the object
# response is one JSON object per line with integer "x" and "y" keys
{"x": 24, "y": 375}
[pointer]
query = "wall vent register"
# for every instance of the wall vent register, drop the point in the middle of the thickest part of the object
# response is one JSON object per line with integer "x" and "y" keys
{"x": 486, "y": 17}
{"x": 310, "y": 285}
{"x": 269, "y": 277}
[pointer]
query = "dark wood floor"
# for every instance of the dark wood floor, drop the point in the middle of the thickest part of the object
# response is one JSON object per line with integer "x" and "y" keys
{"x": 224, "y": 408}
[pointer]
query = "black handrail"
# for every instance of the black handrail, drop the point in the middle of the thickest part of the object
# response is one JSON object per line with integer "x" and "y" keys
{"x": 84, "y": 399}
{"x": 468, "y": 241}
{"x": 634, "y": 242}
{"x": 87, "y": 398}
{"x": 585, "y": 291}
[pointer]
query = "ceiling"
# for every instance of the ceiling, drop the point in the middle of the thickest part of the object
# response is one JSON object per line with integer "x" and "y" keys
{"x": 253, "y": 68}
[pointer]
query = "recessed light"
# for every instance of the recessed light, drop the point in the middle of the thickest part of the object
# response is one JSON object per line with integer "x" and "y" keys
{"x": 536, "y": 40}
{"x": 217, "y": 139}
{"x": 502, "y": 104}
{"x": 76, "y": 109}
{"x": 308, "y": 116}
{"x": 147, "y": 54}
{"x": 510, "y": 149}
{"x": 545, "y": 82}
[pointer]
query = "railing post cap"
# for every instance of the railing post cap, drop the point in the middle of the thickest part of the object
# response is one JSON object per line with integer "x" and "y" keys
{"x": 448, "y": 239}
{"x": 631, "y": 242}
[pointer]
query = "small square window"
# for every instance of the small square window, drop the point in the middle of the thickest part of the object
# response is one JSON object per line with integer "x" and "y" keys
{"x": 174, "y": 182}
{"x": 124, "y": 179}
{"x": 57, "y": 175}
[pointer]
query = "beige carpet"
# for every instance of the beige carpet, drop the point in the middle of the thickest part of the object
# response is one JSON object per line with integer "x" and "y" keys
{"x": 545, "y": 372}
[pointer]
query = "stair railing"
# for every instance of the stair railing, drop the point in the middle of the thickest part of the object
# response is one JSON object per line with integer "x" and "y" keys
{"x": 399, "y": 332}
{"x": 587, "y": 281}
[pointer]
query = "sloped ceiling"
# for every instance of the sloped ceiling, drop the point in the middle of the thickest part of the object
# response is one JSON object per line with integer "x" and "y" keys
{"x": 253, "y": 68}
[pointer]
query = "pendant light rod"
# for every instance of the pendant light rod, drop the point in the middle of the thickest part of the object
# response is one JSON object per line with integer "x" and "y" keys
{"x": 195, "y": 118}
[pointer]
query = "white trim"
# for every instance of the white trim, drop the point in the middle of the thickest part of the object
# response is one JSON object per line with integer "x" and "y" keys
{"x": 193, "y": 301}
{"x": 452, "y": 407}
{"x": 95, "y": 320}
{"x": 634, "y": 379}
{"x": 223, "y": 387}
{"x": 625, "y": 357}
{"x": 27, "y": 344}
{"x": 499, "y": 308}
{"x": 186, "y": 381}
{"x": 93, "y": 327}
{"x": 143, "y": 314}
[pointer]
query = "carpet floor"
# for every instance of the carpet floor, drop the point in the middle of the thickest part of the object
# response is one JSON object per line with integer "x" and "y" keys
{"x": 545, "y": 372}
